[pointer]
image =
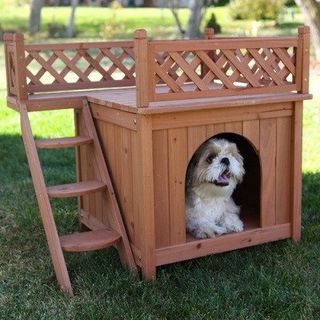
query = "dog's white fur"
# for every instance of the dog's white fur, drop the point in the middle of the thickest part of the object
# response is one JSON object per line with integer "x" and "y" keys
{"x": 211, "y": 180}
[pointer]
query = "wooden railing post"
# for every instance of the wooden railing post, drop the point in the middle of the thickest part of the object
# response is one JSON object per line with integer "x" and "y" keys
{"x": 142, "y": 70}
{"x": 20, "y": 67}
{"x": 7, "y": 38}
{"x": 303, "y": 59}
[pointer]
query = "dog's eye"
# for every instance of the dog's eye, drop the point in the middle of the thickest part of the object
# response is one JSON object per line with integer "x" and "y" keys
{"x": 210, "y": 158}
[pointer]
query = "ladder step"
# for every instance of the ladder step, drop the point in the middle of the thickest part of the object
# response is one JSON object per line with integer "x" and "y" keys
{"x": 62, "y": 142}
{"x": 87, "y": 241}
{"x": 75, "y": 189}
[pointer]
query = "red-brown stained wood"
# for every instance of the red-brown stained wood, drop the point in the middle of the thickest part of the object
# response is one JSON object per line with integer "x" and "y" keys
{"x": 116, "y": 220}
{"x": 90, "y": 240}
{"x": 214, "y": 129}
{"x": 196, "y": 136}
{"x": 142, "y": 72}
{"x": 220, "y": 115}
{"x": 44, "y": 204}
{"x": 62, "y": 142}
{"x": 20, "y": 67}
{"x": 268, "y": 140}
{"x": 126, "y": 188}
{"x": 251, "y": 130}
{"x": 178, "y": 160}
{"x": 283, "y": 170}
{"x": 146, "y": 197}
{"x": 161, "y": 187}
{"x": 234, "y": 127}
{"x": 193, "y": 90}
{"x": 75, "y": 189}
{"x": 199, "y": 248}
{"x": 296, "y": 188}
{"x": 137, "y": 238}
{"x": 304, "y": 56}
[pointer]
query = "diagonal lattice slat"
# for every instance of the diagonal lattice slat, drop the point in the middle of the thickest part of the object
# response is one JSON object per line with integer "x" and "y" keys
{"x": 76, "y": 67}
{"x": 228, "y": 69}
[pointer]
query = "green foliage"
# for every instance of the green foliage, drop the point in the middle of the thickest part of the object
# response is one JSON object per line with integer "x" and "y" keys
{"x": 256, "y": 10}
{"x": 212, "y": 23}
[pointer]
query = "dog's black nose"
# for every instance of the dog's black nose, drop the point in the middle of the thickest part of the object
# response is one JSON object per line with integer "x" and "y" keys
{"x": 225, "y": 161}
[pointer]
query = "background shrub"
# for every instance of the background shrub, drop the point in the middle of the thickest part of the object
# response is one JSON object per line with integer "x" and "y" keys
{"x": 256, "y": 10}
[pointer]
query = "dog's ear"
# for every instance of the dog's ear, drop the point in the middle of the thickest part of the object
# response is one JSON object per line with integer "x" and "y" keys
{"x": 236, "y": 153}
{"x": 192, "y": 166}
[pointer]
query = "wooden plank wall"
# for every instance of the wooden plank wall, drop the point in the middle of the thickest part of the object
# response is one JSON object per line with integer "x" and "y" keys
{"x": 173, "y": 147}
{"x": 119, "y": 146}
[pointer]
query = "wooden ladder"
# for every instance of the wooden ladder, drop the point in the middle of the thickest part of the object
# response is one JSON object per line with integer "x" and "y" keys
{"x": 84, "y": 241}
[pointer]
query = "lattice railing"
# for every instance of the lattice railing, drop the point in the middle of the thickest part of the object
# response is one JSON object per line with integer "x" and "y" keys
{"x": 55, "y": 67}
{"x": 191, "y": 69}
{"x": 161, "y": 70}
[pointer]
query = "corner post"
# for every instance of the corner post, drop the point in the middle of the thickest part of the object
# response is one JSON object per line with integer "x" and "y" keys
{"x": 20, "y": 67}
{"x": 302, "y": 70}
{"x": 142, "y": 71}
{"x": 303, "y": 58}
{"x": 146, "y": 198}
{"x": 296, "y": 181}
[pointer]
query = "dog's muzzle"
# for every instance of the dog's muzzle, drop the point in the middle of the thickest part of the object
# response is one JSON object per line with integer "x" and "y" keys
{"x": 223, "y": 179}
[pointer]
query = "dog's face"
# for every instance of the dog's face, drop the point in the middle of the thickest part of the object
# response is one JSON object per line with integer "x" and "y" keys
{"x": 216, "y": 168}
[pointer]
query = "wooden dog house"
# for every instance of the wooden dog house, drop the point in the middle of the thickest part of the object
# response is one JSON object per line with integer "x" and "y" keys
{"x": 153, "y": 104}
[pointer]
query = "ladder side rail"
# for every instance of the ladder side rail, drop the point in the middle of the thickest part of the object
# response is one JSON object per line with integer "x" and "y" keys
{"x": 44, "y": 203}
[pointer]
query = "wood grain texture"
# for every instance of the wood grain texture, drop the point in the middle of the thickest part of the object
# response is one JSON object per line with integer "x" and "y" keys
{"x": 116, "y": 220}
{"x": 214, "y": 129}
{"x": 268, "y": 164}
{"x": 283, "y": 170}
{"x": 137, "y": 239}
{"x": 220, "y": 115}
{"x": 161, "y": 187}
{"x": 196, "y": 136}
{"x": 20, "y": 67}
{"x": 90, "y": 240}
{"x": 251, "y": 130}
{"x": 200, "y": 248}
{"x": 297, "y": 172}
{"x": 178, "y": 161}
{"x": 75, "y": 189}
{"x": 142, "y": 71}
{"x": 57, "y": 257}
{"x": 146, "y": 197}
{"x": 62, "y": 142}
{"x": 234, "y": 127}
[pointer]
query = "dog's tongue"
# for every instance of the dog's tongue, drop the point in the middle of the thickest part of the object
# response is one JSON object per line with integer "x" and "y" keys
{"x": 223, "y": 179}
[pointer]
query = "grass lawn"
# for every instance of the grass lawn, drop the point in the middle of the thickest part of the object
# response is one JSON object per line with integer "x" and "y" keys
{"x": 273, "y": 281}
{"x": 120, "y": 23}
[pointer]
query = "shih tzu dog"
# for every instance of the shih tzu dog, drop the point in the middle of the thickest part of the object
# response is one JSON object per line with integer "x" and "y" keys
{"x": 212, "y": 175}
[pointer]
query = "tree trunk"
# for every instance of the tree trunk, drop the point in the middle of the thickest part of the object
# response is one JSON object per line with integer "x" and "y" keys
{"x": 173, "y": 6}
{"x": 70, "y": 28}
{"x": 197, "y": 10}
{"x": 35, "y": 16}
{"x": 148, "y": 3}
{"x": 311, "y": 13}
